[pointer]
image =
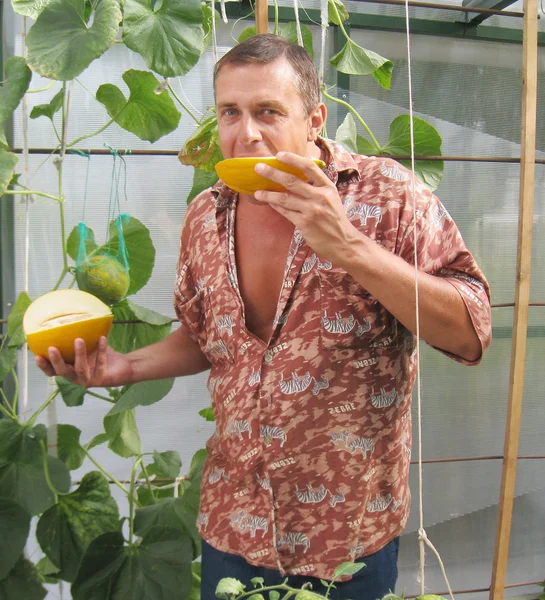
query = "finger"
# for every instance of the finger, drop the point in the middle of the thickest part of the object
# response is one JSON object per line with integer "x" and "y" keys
{"x": 288, "y": 180}
{"x": 315, "y": 175}
{"x": 101, "y": 360}
{"x": 45, "y": 366}
{"x": 56, "y": 360}
{"x": 288, "y": 202}
{"x": 81, "y": 363}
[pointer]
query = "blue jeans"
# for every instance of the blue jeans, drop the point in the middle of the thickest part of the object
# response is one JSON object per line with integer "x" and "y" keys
{"x": 375, "y": 580}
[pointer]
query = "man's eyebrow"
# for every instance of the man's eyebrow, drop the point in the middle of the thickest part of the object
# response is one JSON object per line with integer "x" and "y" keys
{"x": 261, "y": 104}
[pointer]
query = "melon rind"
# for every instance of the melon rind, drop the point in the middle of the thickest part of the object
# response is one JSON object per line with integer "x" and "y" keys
{"x": 239, "y": 173}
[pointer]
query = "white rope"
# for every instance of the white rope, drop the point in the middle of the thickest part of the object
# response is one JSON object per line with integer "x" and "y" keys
{"x": 324, "y": 25}
{"x": 422, "y": 536}
{"x": 26, "y": 257}
{"x": 297, "y": 22}
{"x": 214, "y": 37}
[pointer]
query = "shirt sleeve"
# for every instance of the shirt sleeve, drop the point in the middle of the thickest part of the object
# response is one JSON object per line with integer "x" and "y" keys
{"x": 441, "y": 251}
{"x": 187, "y": 302}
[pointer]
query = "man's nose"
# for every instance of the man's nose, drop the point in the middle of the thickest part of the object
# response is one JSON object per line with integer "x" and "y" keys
{"x": 249, "y": 131}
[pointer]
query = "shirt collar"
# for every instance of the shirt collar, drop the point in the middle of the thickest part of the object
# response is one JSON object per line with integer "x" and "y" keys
{"x": 339, "y": 165}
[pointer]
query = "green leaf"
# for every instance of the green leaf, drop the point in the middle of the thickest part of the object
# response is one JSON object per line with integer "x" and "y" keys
{"x": 289, "y": 32}
{"x": 207, "y": 413}
{"x": 4, "y": 144}
{"x": 228, "y": 586}
{"x": 8, "y": 360}
{"x": 69, "y": 449}
{"x": 47, "y": 571}
{"x": 256, "y": 596}
{"x": 14, "y": 528}
{"x": 99, "y": 439}
{"x": 332, "y": 14}
{"x": 195, "y": 593}
{"x": 123, "y": 433}
{"x": 168, "y": 462}
{"x": 48, "y": 110}
{"x": 61, "y": 44}
{"x": 22, "y": 477}
{"x": 347, "y": 568}
{"x": 202, "y": 149}
{"x": 355, "y": 60}
{"x": 23, "y": 581}
{"x": 111, "y": 571}
{"x": 142, "y": 394}
{"x": 8, "y": 161}
{"x": 246, "y": 34}
{"x": 307, "y": 595}
{"x": 72, "y": 393}
{"x": 17, "y": 78}
{"x": 347, "y": 134}
{"x": 15, "y": 320}
{"x": 167, "y": 513}
{"x": 147, "y": 315}
{"x": 274, "y": 595}
{"x": 140, "y": 250}
{"x": 66, "y": 529}
{"x": 169, "y": 39}
{"x": 29, "y": 8}
{"x": 126, "y": 337}
{"x": 364, "y": 146}
{"x": 148, "y": 115}
{"x": 257, "y": 581}
{"x": 427, "y": 142}
{"x": 202, "y": 180}
{"x": 72, "y": 243}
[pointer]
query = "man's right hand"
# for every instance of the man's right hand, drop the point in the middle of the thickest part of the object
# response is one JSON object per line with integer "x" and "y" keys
{"x": 102, "y": 367}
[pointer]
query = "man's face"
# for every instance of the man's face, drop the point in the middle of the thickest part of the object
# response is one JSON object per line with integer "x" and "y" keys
{"x": 260, "y": 111}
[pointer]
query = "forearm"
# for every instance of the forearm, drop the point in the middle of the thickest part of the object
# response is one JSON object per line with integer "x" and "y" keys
{"x": 444, "y": 320}
{"x": 174, "y": 356}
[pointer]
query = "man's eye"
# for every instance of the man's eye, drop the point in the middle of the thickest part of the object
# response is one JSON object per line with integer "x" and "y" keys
{"x": 270, "y": 111}
{"x": 229, "y": 112}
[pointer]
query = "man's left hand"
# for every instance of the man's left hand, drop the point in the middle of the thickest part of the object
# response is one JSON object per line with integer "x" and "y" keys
{"x": 313, "y": 206}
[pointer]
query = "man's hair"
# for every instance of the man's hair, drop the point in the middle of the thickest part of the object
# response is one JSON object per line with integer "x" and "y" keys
{"x": 266, "y": 48}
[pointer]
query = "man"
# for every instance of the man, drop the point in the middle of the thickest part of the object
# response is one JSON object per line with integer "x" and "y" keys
{"x": 303, "y": 305}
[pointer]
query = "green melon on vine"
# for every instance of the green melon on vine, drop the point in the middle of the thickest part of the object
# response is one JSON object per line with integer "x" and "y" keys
{"x": 104, "y": 277}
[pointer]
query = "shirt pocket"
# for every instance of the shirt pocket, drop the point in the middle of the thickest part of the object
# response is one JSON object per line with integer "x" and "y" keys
{"x": 351, "y": 320}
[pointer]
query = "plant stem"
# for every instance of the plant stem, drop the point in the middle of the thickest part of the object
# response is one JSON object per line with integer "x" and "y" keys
{"x": 148, "y": 482}
{"x": 360, "y": 120}
{"x": 104, "y": 472}
{"x": 3, "y": 410}
{"x": 182, "y": 104}
{"x": 56, "y": 132}
{"x": 340, "y": 21}
{"x": 47, "y": 475}
{"x": 33, "y": 418}
{"x": 16, "y": 393}
{"x": 88, "y": 135}
{"x": 31, "y": 192}
{"x": 132, "y": 499}
{"x": 275, "y": 17}
{"x": 47, "y": 87}
{"x": 61, "y": 278}
{"x": 101, "y": 397}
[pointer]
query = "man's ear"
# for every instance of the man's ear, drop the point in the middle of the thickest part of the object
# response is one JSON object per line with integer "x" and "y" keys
{"x": 316, "y": 120}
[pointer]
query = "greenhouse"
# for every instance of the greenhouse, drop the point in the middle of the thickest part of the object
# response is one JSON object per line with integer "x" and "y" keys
{"x": 119, "y": 479}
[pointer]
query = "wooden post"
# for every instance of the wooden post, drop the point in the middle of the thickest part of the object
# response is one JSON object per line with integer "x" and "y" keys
{"x": 522, "y": 297}
{"x": 261, "y": 16}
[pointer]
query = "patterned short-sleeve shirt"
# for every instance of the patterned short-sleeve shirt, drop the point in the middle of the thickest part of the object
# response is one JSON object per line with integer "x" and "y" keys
{"x": 308, "y": 467}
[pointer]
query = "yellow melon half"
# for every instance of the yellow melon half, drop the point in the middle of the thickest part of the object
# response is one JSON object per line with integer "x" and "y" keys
{"x": 239, "y": 173}
{"x": 58, "y": 318}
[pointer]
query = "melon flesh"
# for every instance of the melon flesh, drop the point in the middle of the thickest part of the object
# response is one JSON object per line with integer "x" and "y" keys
{"x": 60, "y": 317}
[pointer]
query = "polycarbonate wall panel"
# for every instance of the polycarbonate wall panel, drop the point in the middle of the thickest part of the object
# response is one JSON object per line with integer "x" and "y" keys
{"x": 470, "y": 92}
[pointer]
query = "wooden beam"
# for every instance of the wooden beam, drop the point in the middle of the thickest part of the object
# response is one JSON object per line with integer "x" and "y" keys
{"x": 261, "y": 16}
{"x": 522, "y": 297}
